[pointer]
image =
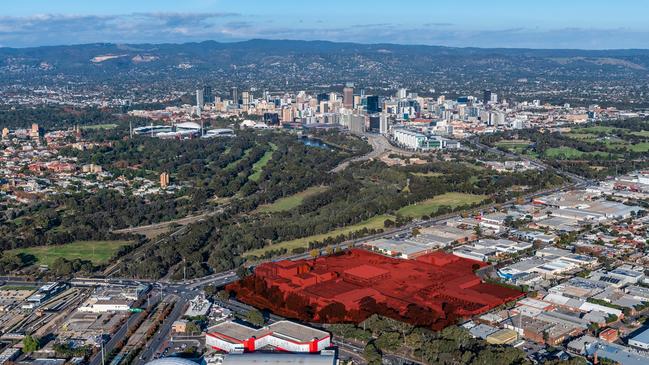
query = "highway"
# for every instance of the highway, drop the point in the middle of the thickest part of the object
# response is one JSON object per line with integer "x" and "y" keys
{"x": 379, "y": 144}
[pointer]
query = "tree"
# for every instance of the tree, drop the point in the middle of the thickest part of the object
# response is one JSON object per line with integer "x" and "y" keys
{"x": 478, "y": 231}
{"x": 415, "y": 232}
{"x": 30, "y": 344}
{"x": 192, "y": 328}
{"x": 314, "y": 253}
{"x": 372, "y": 354}
{"x": 255, "y": 317}
{"x": 243, "y": 272}
{"x": 223, "y": 295}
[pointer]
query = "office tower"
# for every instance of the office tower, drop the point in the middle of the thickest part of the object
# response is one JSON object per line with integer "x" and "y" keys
{"x": 164, "y": 180}
{"x": 357, "y": 124}
{"x": 323, "y": 97}
{"x": 383, "y": 123}
{"x": 348, "y": 96}
{"x": 199, "y": 99}
{"x": 245, "y": 98}
{"x": 486, "y": 96}
{"x": 5, "y": 133}
{"x": 235, "y": 96}
{"x": 402, "y": 93}
{"x": 375, "y": 123}
{"x": 207, "y": 94}
{"x": 373, "y": 104}
{"x": 271, "y": 118}
{"x": 494, "y": 98}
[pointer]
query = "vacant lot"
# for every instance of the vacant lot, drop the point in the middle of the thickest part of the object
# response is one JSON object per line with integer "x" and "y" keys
{"x": 99, "y": 252}
{"x": 290, "y": 202}
{"x": 374, "y": 222}
{"x": 430, "y": 206}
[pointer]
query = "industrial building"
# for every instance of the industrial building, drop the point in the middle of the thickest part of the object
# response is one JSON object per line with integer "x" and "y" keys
{"x": 286, "y": 336}
{"x": 640, "y": 340}
{"x": 324, "y": 358}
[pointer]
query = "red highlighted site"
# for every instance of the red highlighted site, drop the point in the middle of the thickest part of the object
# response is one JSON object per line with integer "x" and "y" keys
{"x": 433, "y": 291}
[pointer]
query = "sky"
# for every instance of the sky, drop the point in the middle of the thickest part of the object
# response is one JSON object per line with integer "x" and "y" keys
{"x": 583, "y": 24}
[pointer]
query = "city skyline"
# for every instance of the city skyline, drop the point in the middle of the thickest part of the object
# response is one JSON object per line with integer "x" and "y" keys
{"x": 507, "y": 24}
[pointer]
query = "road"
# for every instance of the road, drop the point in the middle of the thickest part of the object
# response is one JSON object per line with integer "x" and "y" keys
{"x": 155, "y": 344}
{"x": 157, "y": 226}
{"x": 121, "y": 333}
{"x": 379, "y": 144}
{"x": 534, "y": 162}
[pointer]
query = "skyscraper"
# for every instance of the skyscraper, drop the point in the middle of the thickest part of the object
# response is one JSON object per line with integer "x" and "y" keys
{"x": 348, "y": 96}
{"x": 373, "y": 104}
{"x": 245, "y": 97}
{"x": 207, "y": 94}
{"x": 323, "y": 97}
{"x": 200, "y": 99}
{"x": 486, "y": 96}
{"x": 235, "y": 96}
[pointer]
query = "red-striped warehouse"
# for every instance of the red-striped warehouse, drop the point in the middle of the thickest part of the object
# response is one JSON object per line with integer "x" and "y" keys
{"x": 279, "y": 336}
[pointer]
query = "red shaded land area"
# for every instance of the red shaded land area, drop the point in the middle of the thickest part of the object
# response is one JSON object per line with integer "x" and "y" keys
{"x": 433, "y": 291}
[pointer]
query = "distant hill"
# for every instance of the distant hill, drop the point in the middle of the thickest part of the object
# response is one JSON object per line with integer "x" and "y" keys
{"x": 273, "y": 64}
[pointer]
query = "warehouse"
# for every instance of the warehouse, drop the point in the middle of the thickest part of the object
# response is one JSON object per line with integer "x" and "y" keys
{"x": 641, "y": 340}
{"x": 282, "y": 336}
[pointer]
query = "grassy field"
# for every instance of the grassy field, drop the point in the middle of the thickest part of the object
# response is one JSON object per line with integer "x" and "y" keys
{"x": 641, "y": 134}
{"x": 374, "y": 222}
{"x": 98, "y": 252}
{"x": 100, "y": 126}
{"x": 427, "y": 174}
{"x": 582, "y": 136}
{"x": 430, "y": 205}
{"x": 514, "y": 145}
{"x": 263, "y": 161}
{"x": 567, "y": 152}
{"x": 570, "y": 153}
{"x": 234, "y": 163}
{"x": 595, "y": 129}
{"x": 639, "y": 147}
{"x": 290, "y": 202}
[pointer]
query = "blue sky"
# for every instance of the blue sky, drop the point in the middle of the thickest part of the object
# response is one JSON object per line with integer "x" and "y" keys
{"x": 589, "y": 24}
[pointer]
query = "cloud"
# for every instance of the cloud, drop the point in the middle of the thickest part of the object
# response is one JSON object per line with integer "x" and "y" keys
{"x": 53, "y": 29}
{"x": 49, "y": 29}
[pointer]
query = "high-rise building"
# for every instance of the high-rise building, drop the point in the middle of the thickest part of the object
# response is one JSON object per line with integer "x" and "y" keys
{"x": 486, "y": 96}
{"x": 402, "y": 93}
{"x": 383, "y": 126}
{"x": 373, "y": 104}
{"x": 199, "y": 99}
{"x": 235, "y": 96}
{"x": 5, "y": 133}
{"x": 245, "y": 98}
{"x": 375, "y": 123}
{"x": 207, "y": 94}
{"x": 164, "y": 180}
{"x": 323, "y": 97}
{"x": 348, "y": 96}
{"x": 35, "y": 132}
{"x": 357, "y": 123}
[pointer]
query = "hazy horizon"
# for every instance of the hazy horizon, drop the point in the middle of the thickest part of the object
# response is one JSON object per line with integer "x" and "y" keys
{"x": 587, "y": 25}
